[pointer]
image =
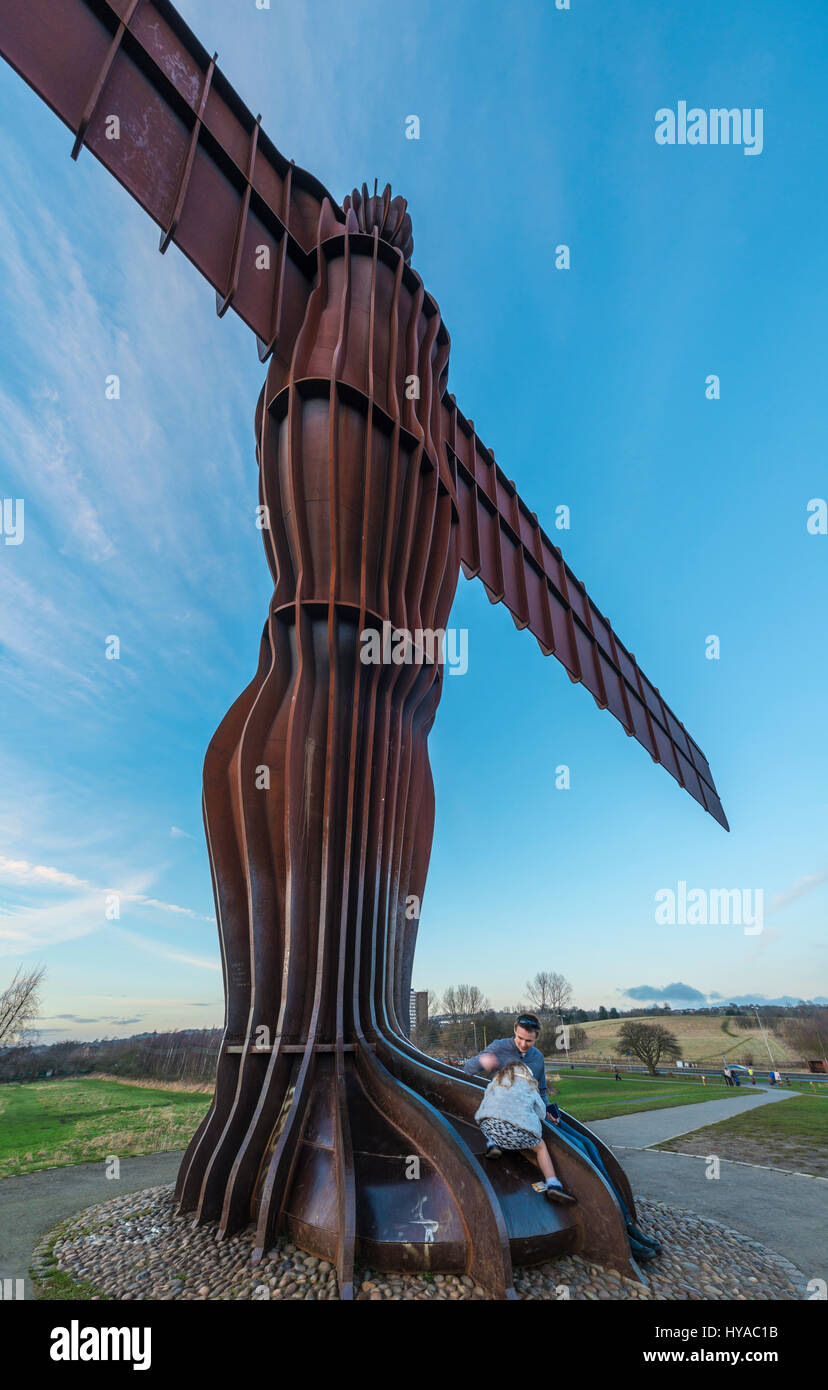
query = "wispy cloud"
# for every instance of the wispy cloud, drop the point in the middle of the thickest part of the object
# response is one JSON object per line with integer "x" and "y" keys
{"x": 800, "y": 889}
{"x": 76, "y": 1018}
{"x": 26, "y": 927}
{"x": 18, "y": 870}
{"x": 155, "y": 948}
{"x": 118, "y": 535}
{"x": 167, "y": 907}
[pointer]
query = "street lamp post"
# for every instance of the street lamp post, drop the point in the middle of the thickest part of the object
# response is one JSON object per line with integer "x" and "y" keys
{"x": 765, "y": 1036}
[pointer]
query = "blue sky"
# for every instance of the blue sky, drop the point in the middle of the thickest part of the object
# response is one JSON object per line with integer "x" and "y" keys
{"x": 688, "y": 516}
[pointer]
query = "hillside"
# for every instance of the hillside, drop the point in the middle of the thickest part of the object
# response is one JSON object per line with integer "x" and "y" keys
{"x": 702, "y": 1038}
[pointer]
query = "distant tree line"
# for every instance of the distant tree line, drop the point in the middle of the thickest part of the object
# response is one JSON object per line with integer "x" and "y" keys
{"x": 186, "y": 1055}
{"x": 461, "y": 1022}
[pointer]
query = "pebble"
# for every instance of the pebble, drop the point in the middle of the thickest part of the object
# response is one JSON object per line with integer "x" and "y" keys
{"x": 139, "y": 1247}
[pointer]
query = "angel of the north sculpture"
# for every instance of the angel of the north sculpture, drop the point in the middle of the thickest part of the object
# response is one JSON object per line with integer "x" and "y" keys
{"x": 377, "y": 491}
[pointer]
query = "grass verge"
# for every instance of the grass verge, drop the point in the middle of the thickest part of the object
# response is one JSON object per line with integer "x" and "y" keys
{"x": 792, "y": 1134}
{"x": 49, "y": 1124}
{"x": 600, "y": 1097}
{"x": 52, "y": 1285}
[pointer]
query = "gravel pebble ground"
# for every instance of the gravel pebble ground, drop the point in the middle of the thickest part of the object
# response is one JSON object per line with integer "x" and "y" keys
{"x": 137, "y": 1247}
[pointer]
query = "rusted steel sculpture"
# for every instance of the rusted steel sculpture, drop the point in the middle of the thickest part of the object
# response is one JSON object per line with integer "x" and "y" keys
{"x": 318, "y": 797}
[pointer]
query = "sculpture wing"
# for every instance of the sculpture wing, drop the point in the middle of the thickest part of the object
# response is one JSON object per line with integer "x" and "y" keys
{"x": 502, "y": 543}
{"x": 136, "y": 87}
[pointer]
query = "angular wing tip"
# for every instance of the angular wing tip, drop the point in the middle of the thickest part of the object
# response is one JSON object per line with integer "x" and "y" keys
{"x": 716, "y": 810}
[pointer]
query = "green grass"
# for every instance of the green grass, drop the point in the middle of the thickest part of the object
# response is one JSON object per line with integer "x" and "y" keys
{"x": 800, "y": 1083}
{"x": 51, "y": 1284}
{"x": 598, "y": 1096}
{"x": 791, "y": 1134}
{"x": 48, "y": 1124}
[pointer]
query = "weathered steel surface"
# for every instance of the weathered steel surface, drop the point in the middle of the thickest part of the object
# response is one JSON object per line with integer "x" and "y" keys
{"x": 318, "y": 796}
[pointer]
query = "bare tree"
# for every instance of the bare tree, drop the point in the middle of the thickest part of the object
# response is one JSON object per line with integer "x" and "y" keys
{"x": 464, "y": 1001}
{"x": 578, "y": 1038}
{"x": 807, "y": 1033}
{"x": 472, "y": 1000}
{"x": 558, "y": 1042}
{"x": 463, "y": 1004}
{"x": 20, "y": 1004}
{"x": 549, "y": 992}
{"x": 649, "y": 1042}
{"x": 450, "y": 1005}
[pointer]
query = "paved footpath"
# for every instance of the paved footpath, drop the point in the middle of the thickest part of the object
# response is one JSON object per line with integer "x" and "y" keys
{"x": 647, "y": 1127}
{"x": 785, "y": 1211}
{"x": 30, "y": 1205}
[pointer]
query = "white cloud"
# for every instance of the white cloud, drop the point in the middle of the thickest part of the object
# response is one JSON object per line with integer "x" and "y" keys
{"x": 26, "y": 927}
{"x": 20, "y": 871}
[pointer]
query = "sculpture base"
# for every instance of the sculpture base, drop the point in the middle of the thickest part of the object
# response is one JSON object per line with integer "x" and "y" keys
{"x": 367, "y": 1151}
{"x": 407, "y": 1217}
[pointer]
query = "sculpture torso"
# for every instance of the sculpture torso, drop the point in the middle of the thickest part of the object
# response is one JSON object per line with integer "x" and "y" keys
{"x": 352, "y": 454}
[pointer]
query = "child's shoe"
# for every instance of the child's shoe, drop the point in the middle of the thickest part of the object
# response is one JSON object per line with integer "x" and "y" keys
{"x": 553, "y": 1189}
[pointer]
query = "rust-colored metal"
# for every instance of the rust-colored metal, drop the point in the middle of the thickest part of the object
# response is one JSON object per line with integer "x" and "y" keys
{"x": 318, "y": 796}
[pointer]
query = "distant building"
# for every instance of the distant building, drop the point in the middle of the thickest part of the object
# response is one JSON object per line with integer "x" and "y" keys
{"x": 418, "y": 1008}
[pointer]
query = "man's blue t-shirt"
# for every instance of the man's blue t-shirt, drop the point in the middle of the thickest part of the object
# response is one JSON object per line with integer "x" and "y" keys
{"x": 506, "y": 1051}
